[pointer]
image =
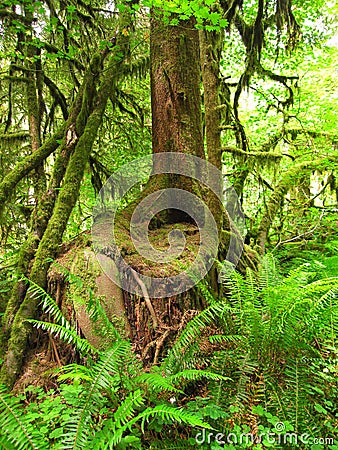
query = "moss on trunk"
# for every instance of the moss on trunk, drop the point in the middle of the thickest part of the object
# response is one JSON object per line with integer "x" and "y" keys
{"x": 66, "y": 200}
{"x": 177, "y": 128}
{"x": 24, "y": 167}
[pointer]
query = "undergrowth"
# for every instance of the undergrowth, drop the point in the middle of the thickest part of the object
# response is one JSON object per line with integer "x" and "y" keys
{"x": 257, "y": 368}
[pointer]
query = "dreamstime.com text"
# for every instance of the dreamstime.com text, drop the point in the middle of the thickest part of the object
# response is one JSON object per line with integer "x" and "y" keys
{"x": 208, "y": 437}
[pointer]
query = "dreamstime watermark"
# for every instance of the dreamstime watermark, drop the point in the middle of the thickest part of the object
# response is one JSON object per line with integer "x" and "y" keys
{"x": 279, "y": 437}
{"x": 112, "y": 197}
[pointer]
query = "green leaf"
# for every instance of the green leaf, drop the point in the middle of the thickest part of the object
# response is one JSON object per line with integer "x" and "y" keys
{"x": 56, "y": 433}
{"x": 320, "y": 408}
{"x": 258, "y": 410}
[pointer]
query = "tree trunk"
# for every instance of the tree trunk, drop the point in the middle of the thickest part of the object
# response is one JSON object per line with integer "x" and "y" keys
{"x": 79, "y": 137}
{"x": 211, "y": 44}
{"x": 176, "y": 102}
{"x": 160, "y": 297}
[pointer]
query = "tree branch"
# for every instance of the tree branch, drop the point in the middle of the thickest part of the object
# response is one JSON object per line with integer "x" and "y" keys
{"x": 29, "y": 163}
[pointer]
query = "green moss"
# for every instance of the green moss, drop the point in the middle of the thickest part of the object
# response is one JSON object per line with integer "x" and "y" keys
{"x": 86, "y": 271}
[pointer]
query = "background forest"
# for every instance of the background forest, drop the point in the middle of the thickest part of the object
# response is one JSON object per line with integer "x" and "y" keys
{"x": 247, "y": 358}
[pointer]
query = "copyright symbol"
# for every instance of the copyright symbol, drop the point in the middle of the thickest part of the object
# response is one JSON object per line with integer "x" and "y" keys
{"x": 161, "y": 262}
{"x": 279, "y": 426}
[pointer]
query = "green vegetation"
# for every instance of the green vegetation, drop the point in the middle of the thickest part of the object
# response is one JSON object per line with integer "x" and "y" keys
{"x": 265, "y": 355}
{"x": 247, "y": 357}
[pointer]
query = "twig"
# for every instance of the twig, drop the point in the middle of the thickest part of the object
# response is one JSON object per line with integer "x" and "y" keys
{"x": 159, "y": 345}
{"x": 146, "y": 298}
{"x": 295, "y": 238}
{"x": 56, "y": 354}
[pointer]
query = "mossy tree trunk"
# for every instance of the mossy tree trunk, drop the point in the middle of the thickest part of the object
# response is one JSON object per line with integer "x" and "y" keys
{"x": 175, "y": 88}
{"x": 175, "y": 101}
{"x": 79, "y": 135}
{"x": 177, "y": 128}
{"x": 69, "y": 136}
{"x": 211, "y": 44}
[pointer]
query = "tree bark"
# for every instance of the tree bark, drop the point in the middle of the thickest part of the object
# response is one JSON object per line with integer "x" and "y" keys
{"x": 177, "y": 128}
{"x": 211, "y": 44}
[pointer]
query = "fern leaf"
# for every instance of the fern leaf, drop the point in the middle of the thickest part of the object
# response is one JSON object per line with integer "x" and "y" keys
{"x": 68, "y": 335}
{"x": 166, "y": 413}
{"x": 192, "y": 375}
{"x": 191, "y": 333}
{"x": 16, "y": 429}
{"x": 47, "y": 302}
{"x": 127, "y": 407}
{"x": 170, "y": 413}
{"x": 156, "y": 382}
{"x": 80, "y": 426}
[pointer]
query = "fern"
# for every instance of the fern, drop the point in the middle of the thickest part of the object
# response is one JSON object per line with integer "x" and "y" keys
{"x": 66, "y": 333}
{"x": 156, "y": 382}
{"x": 80, "y": 423}
{"x": 271, "y": 325}
{"x": 169, "y": 413}
{"x": 179, "y": 354}
{"x": 193, "y": 375}
{"x": 108, "y": 396}
{"x": 16, "y": 431}
{"x": 274, "y": 344}
{"x": 127, "y": 408}
{"x": 98, "y": 314}
{"x": 48, "y": 304}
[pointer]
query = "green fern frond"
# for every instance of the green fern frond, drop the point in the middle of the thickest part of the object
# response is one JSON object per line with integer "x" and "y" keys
{"x": 320, "y": 287}
{"x": 228, "y": 338}
{"x": 69, "y": 276}
{"x": 268, "y": 274}
{"x": 68, "y": 335}
{"x": 74, "y": 372}
{"x": 127, "y": 408}
{"x": 296, "y": 387}
{"x": 191, "y": 333}
{"x": 167, "y": 413}
{"x": 102, "y": 374}
{"x": 15, "y": 428}
{"x": 179, "y": 444}
{"x": 156, "y": 382}
{"x": 97, "y": 314}
{"x": 47, "y": 302}
{"x": 193, "y": 375}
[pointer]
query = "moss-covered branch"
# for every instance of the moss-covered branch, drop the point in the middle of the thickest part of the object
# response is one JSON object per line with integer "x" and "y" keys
{"x": 18, "y": 136}
{"x": 25, "y": 166}
{"x": 266, "y": 155}
{"x": 289, "y": 180}
{"x": 66, "y": 200}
